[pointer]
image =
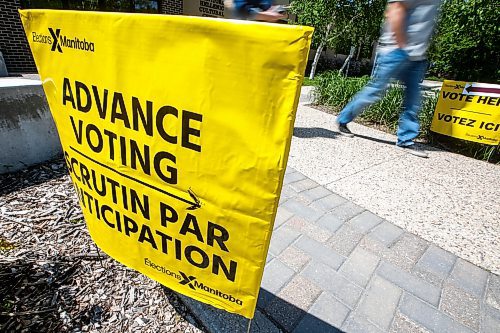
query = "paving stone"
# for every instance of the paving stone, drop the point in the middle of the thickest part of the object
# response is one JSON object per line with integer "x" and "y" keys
{"x": 469, "y": 277}
{"x": 286, "y": 194}
{"x": 329, "y": 280}
{"x": 375, "y": 246}
{"x": 330, "y": 222}
{"x": 347, "y": 211}
{"x": 276, "y": 275}
{"x": 300, "y": 209}
{"x": 387, "y": 233}
{"x": 403, "y": 324}
{"x": 300, "y": 292}
{"x": 437, "y": 261}
{"x": 220, "y": 321}
{"x": 493, "y": 292}
{"x": 293, "y": 302}
{"x": 429, "y": 317}
{"x": 312, "y": 324}
{"x": 303, "y": 185}
{"x": 285, "y": 314}
{"x": 379, "y": 303}
{"x": 269, "y": 258}
{"x": 320, "y": 252}
{"x": 311, "y": 230}
{"x": 294, "y": 258}
{"x": 328, "y": 203}
{"x": 293, "y": 177}
{"x": 490, "y": 324}
{"x": 406, "y": 251}
{"x": 460, "y": 305}
{"x": 427, "y": 276}
{"x": 410, "y": 283}
{"x": 365, "y": 221}
{"x": 359, "y": 324}
{"x": 345, "y": 240}
{"x": 326, "y": 315}
{"x": 264, "y": 299}
{"x": 282, "y": 215}
{"x": 316, "y": 193}
{"x": 281, "y": 239}
{"x": 360, "y": 266}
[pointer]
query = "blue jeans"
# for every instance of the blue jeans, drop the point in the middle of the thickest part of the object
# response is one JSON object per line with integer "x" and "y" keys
{"x": 393, "y": 65}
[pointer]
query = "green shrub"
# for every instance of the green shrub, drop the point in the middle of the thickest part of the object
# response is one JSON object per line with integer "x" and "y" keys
{"x": 334, "y": 90}
{"x": 466, "y": 44}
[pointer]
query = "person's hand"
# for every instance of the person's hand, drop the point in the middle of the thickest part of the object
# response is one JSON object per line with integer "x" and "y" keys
{"x": 269, "y": 15}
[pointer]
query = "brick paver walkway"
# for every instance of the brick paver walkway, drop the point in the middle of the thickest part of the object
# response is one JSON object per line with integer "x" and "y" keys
{"x": 334, "y": 266}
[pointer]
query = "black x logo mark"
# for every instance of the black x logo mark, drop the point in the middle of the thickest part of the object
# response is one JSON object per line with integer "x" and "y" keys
{"x": 187, "y": 280}
{"x": 55, "y": 36}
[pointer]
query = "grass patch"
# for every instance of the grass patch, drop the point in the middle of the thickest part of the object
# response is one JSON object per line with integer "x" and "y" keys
{"x": 309, "y": 82}
{"x": 335, "y": 91}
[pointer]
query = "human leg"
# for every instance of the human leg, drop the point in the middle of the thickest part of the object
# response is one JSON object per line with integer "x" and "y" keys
{"x": 409, "y": 126}
{"x": 388, "y": 66}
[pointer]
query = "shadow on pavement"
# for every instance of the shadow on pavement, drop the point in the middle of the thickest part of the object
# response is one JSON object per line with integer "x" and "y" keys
{"x": 387, "y": 142}
{"x": 315, "y": 132}
{"x": 273, "y": 315}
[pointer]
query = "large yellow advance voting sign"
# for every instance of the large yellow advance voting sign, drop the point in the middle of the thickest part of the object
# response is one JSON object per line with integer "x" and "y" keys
{"x": 468, "y": 111}
{"x": 176, "y": 132}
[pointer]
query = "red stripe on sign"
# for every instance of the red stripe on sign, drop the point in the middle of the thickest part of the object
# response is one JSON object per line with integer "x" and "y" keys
{"x": 485, "y": 90}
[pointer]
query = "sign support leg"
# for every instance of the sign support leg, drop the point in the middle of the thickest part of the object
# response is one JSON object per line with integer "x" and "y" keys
{"x": 99, "y": 255}
{"x": 249, "y": 325}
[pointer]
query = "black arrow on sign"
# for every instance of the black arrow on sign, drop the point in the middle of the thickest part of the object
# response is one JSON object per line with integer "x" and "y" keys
{"x": 470, "y": 89}
{"x": 195, "y": 204}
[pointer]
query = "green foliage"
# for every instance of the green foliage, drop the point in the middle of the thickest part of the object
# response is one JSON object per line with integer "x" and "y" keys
{"x": 351, "y": 22}
{"x": 309, "y": 82}
{"x": 467, "y": 43}
{"x": 334, "y": 90}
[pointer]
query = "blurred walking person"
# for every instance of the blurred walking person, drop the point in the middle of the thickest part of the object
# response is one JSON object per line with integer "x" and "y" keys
{"x": 256, "y": 10}
{"x": 402, "y": 49}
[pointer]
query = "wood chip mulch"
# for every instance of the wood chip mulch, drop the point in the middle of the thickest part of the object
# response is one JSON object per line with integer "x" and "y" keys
{"x": 53, "y": 278}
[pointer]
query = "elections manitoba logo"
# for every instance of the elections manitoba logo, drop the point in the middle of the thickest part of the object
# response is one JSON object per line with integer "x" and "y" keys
{"x": 59, "y": 41}
{"x": 192, "y": 282}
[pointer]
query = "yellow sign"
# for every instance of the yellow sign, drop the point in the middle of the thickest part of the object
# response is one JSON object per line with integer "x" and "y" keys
{"x": 469, "y": 111}
{"x": 176, "y": 132}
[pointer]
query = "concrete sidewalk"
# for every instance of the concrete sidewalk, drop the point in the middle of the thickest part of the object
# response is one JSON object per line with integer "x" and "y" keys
{"x": 370, "y": 239}
{"x": 448, "y": 199}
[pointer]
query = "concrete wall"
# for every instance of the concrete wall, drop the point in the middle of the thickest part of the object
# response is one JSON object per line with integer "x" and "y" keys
{"x": 27, "y": 132}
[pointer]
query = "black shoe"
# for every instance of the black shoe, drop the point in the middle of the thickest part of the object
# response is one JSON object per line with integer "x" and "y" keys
{"x": 412, "y": 149}
{"x": 342, "y": 129}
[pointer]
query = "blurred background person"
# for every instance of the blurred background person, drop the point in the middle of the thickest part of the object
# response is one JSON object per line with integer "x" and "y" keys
{"x": 256, "y": 10}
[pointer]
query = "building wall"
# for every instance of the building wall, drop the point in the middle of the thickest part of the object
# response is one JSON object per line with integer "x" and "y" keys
{"x": 13, "y": 43}
{"x": 206, "y": 8}
{"x": 173, "y": 7}
{"x": 16, "y": 51}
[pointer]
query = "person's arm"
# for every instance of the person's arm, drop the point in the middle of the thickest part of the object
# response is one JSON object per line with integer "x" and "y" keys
{"x": 269, "y": 16}
{"x": 249, "y": 11}
{"x": 395, "y": 15}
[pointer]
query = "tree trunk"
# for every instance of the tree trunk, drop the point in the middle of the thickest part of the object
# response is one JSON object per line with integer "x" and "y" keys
{"x": 319, "y": 50}
{"x": 347, "y": 60}
{"x": 316, "y": 60}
